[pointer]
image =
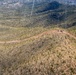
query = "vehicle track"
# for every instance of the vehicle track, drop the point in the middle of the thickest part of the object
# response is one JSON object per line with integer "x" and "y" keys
{"x": 39, "y": 35}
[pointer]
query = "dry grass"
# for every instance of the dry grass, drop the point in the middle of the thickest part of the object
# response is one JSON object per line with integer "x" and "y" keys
{"x": 53, "y": 53}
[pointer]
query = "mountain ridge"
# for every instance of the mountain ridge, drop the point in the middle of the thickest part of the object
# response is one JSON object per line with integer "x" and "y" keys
{"x": 73, "y": 2}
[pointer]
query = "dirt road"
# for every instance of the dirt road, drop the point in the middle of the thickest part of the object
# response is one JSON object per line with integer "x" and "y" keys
{"x": 39, "y": 35}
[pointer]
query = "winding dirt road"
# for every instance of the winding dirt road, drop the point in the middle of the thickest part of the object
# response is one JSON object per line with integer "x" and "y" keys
{"x": 39, "y": 35}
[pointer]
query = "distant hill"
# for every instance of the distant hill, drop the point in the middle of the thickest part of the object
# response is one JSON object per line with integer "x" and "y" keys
{"x": 45, "y": 14}
{"x": 50, "y": 6}
{"x": 38, "y": 1}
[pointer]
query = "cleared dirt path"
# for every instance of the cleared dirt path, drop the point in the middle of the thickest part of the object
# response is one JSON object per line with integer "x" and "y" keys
{"x": 39, "y": 35}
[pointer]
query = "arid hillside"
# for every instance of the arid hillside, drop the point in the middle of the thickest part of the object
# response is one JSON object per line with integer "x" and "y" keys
{"x": 52, "y": 52}
{"x": 37, "y": 38}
